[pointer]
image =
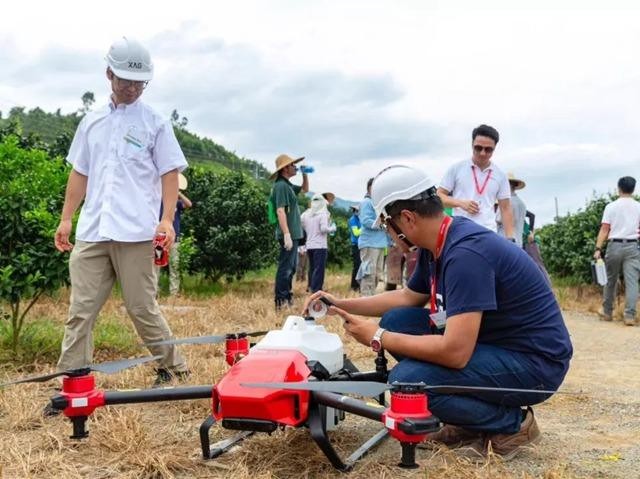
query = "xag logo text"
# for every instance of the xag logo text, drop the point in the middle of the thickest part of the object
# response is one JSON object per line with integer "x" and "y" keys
{"x": 137, "y": 65}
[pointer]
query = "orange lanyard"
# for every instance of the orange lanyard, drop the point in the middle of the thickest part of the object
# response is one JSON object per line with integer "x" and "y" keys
{"x": 479, "y": 189}
{"x": 442, "y": 234}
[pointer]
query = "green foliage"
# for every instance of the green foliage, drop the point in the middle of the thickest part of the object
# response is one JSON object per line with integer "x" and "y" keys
{"x": 567, "y": 245}
{"x": 340, "y": 244}
{"x": 227, "y": 223}
{"x": 30, "y": 202}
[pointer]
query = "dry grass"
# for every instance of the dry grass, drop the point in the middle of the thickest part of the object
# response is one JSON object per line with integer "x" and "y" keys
{"x": 161, "y": 440}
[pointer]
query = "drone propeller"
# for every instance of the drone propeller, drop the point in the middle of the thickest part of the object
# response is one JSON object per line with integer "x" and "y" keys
{"x": 371, "y": 388}
{"x": 203, "y": 339}
{"x": 110, "y": 367}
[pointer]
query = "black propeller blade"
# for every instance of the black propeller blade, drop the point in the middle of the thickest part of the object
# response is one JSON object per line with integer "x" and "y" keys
{"x": 370, "y": 388}
{"x": 110, "y": 367}
{"x": 203, "y": 339}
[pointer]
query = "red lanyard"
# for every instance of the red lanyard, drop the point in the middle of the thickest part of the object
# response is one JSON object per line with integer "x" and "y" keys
{"x": 479, "y": 189}
{"x": 442, "y": 234}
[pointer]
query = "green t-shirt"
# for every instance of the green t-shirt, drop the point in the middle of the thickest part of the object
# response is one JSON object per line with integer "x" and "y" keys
{"x": 284, "y": 195}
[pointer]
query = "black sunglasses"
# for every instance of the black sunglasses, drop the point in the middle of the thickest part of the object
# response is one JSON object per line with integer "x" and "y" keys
{"x": 479, "y": 148}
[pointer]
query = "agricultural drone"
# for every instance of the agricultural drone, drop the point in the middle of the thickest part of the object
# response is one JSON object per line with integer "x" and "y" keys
{"x": 296, "y": 376}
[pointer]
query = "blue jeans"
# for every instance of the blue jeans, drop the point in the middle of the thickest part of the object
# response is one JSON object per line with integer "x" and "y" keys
{"x": 286, "y": 270}
{"x": 489, "y": 366}
{"x": 317, "y": 265}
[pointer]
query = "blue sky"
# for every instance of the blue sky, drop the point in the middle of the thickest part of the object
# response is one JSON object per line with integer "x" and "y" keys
{"x": 358, "y": 85}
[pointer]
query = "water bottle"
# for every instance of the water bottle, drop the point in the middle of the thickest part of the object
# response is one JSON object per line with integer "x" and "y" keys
{"x": 306, "y": 169}
{"x": 601, "y": 272}
{"x": 332, "y": 228}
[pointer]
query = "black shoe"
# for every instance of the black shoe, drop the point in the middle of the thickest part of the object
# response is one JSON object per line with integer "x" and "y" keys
{"x": 166, "y": 376}
{"x": 50, "y": 411}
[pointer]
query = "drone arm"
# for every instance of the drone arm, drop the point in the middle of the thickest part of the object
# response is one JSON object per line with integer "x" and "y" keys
{"x": 349, "y": 404}
{"x": 155, "y": 395}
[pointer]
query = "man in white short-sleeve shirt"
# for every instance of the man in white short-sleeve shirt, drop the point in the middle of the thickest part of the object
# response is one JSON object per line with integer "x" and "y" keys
{"x": 620, "y": 222}
{"x": 125, "y": 160}
{"x": 471, "y": 187}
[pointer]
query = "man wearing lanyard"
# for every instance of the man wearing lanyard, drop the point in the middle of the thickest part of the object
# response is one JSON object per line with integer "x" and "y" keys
{"x": 125, "y": 160}
{"x": 492, "y": 321}
{"x": 471, "y": 188}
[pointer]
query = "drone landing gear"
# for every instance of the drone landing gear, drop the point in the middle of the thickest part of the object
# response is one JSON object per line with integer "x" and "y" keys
{"x": 220, "y": 447}
{"x": 318, "y": 430}
{"x": 408, "y": 460}
{"x": 79, "y": 430}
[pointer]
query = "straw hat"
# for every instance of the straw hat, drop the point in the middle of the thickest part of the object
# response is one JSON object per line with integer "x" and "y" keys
{"x": 515, "y": 182}
{"x": 182, "y": 182}
{"x": 329, "y": 197}
{"x": 283, "y": 161}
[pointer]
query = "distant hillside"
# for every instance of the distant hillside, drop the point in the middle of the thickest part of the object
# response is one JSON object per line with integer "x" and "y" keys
{"x": 59, "y": 128}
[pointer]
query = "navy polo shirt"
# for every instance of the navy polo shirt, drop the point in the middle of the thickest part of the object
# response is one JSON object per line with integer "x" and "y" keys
{"x": 481, "y": 271}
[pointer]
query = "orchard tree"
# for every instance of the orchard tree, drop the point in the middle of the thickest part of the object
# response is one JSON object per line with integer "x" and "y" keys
{"x": 228, "y": 224}
{"x": 30, "y": 202}
{"x": 567, "y": 245}
{"x": 88, "y": 99}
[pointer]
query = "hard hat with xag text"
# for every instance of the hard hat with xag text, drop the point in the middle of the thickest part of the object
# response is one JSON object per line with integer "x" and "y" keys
{"x": 130, "y": 60}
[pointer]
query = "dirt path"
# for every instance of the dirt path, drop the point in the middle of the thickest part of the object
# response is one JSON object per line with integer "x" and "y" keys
{"x": 592, "y": 435}
{"x": 598, "y": 434}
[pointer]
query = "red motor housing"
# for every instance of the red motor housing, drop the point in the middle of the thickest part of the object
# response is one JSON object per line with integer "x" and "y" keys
{"x": 236, "y": 348}
{"x": 406, "y": 405}
{"x": 81, "y": 394}
{"x": 231, "y": 401}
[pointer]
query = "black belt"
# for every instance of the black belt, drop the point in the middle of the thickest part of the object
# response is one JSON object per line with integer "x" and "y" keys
{"x": 620, "y": 240}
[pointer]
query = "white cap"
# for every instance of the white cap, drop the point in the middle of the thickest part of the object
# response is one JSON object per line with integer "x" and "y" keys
{"x": 397, "y": 182}
{"x": 130, "y": 60}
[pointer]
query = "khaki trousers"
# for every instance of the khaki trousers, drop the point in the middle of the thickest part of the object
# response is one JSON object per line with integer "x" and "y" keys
{"x": 93, "y": 268}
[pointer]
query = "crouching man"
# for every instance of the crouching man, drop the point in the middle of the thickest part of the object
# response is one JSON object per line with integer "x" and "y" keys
{"x": 477, "y": 312}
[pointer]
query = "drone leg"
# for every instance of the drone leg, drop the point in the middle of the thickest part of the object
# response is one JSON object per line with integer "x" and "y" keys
{"x": 408, "y": 460}
{"x": 220, "y": 447}
{"x": 204, "y": 436}
{"x": 318, "y": 432}
{"x": 79, "y": 431}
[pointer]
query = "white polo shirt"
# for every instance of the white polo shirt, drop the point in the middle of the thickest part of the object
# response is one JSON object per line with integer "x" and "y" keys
{"x": 623, "y": 217}
{"x": 489, "y": 185}
{"x": 123, "y": 151}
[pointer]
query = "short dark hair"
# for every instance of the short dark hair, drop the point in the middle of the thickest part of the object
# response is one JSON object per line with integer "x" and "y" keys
{"x": 429, "y": 207}
{"x": 627, "y": 184}
{"x": 485, "y": 130}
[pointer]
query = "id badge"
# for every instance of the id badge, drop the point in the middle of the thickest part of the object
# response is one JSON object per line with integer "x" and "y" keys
{"x": 439, "y": 319}
{"x": 133, "y": 137}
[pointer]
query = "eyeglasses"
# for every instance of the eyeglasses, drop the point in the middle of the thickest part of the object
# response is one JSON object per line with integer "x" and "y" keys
{"x": 124, "y": 84}
{"x": 480, "y": 148}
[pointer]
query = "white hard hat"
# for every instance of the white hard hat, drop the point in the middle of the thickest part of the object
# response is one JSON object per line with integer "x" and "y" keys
{"x": 398, "y": 182}
{"x": 129, "y": 60}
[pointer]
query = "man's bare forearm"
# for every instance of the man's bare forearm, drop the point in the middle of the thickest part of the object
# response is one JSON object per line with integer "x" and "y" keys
{"x": 376, "y": 306}
{"x": 169, "y": 195}
{"x": 74, "y": 194}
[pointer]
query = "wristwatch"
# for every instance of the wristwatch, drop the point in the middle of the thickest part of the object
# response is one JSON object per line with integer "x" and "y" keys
{"x": 376, "y": 341}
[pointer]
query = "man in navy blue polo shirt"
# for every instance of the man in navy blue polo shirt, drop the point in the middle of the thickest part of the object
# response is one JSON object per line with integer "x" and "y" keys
{"x": 491, "y": 319}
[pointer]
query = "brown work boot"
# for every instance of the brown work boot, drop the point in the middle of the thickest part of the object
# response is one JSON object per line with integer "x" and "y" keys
{"x": 629, "y": 321}
{"x": 452, "y": 437}
{"x": 507, "y": 446}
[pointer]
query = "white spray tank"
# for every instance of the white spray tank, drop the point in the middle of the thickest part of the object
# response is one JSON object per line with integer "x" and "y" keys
{"x": 310, "y": 339}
